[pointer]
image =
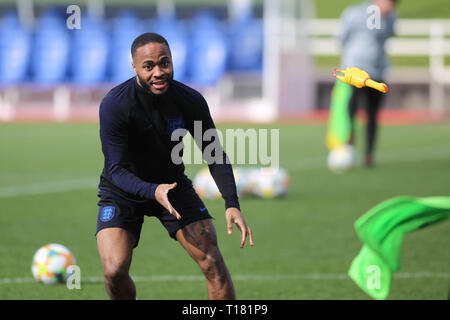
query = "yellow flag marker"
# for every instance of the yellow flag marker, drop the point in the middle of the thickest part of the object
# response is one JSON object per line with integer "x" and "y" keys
{"x": 359, "y": 78}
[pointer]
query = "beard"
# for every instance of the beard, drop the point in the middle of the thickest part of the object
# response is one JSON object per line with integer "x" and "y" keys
{"x": 146, "y": 87}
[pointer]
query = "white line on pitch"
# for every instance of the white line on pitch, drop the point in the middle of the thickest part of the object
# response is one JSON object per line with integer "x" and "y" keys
{"x": 49, "y": 187}
{"x": 303, "y": 164}
{"x": 400, "y": 156}
{"x": 262, "y": 277}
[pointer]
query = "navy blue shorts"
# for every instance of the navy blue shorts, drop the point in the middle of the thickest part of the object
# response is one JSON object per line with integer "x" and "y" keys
{"x": 117, "y": 211}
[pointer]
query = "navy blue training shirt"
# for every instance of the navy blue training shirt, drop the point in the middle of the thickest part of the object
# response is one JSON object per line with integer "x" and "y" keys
{"x": 135, "y": 132}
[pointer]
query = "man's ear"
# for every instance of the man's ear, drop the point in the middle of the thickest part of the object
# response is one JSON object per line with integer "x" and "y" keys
{"x": 134, "y": 67}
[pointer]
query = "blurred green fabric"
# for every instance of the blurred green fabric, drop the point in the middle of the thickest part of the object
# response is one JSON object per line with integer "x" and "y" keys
{"x": 382, "y": 229}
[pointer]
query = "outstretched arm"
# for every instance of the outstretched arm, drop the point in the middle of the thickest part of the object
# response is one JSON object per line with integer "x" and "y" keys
{"x": 114, "y": 139}
{"x": 222, "y": 172}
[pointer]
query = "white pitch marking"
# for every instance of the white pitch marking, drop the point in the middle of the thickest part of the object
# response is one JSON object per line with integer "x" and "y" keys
{"x": 401, "y": 156}
{"x": 303, "y": 164}
{"x": 49, "y": 187}
{"x": 243, "y": 277}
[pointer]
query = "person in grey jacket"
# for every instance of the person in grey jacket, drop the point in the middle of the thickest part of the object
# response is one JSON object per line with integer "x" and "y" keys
{"x": 364, "y": 30}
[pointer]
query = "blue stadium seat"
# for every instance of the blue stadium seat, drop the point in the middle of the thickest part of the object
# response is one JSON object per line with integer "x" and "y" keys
{"x": 126, "y": 26}
{"x": 241, "y": 10}
{"x": 208, "y": 50}
{"x": 174, "y": 32}
{"x": 50, "y": 49}
{"x": 14, "y": 50}
{"x": 246, "y": 45}
{"x": 89, "y": 52}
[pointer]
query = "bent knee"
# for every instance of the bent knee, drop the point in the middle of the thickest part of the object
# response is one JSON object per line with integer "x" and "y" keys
{"x": 212, "y": 264}
{"x": 113, "y": 271}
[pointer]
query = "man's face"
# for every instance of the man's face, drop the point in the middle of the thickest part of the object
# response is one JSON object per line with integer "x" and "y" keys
{"x": 152, "y": 64}
{"x": 386, "y": 6}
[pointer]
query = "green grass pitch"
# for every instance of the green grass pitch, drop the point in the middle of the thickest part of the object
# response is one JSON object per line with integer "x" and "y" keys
{"x": 304, "y": 243}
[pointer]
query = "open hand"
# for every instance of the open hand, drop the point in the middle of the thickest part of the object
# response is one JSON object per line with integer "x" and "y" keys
{"x": 161, "y": 196}
{"x": 234, "y": 215}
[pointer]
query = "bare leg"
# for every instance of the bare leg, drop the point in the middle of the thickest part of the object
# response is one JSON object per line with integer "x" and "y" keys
{"x": 115, "y": 246}
{"x": 200, "y": 241}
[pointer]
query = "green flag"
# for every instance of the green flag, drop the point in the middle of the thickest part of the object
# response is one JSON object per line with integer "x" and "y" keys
{"x": 371, "y": 273}
{"x": 339, "y": 125}
{"x": 382, "y": 229}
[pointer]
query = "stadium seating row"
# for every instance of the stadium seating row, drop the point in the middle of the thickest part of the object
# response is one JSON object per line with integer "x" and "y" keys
{"x": 203, "y": 48}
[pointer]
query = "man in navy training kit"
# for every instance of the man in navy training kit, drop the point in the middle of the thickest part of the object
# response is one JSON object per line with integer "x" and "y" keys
{"x": 139, "y": 177}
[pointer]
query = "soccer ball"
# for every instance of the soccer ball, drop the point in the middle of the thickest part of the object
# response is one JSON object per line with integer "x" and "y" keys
{"x": 205, "y": 185}
{"x": 265, "y": 183}
{"x": 50, "y": 263}
{"x": 341, "y": 158}
{"x": 243, "y": 183}
{"x": 269, "y": 183}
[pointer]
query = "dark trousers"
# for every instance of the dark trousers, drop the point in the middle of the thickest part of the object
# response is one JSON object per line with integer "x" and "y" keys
{"x": 372, "y": 99}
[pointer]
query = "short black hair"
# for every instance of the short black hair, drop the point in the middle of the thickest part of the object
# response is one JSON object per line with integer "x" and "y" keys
{"x": 145, "y": 38}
